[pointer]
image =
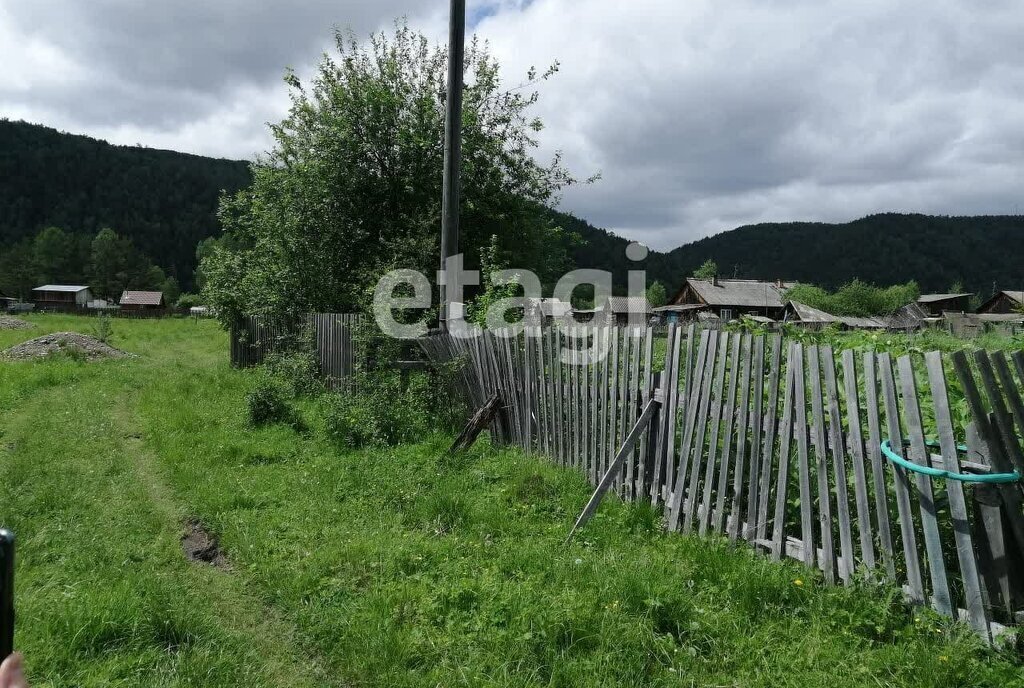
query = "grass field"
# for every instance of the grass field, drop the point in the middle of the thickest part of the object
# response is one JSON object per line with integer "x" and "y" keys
{"x": 389, "y": 567}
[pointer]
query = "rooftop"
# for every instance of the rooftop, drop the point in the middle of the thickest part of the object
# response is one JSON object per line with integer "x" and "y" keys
{"x": 740, "y": 292}
{"x": 931, "y": 298}
{"x": 142, "y": 298}
{"x": 72, "y": 288}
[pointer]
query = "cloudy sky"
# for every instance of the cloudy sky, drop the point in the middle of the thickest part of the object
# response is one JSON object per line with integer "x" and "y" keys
{"x": 701, "y": 115}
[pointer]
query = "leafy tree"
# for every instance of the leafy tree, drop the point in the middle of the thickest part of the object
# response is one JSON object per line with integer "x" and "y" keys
{"x": 171, "y": 290}
{"x": 352, "y": 187}
{"x": 17, "y": 270}
{"x": 707, "y": 270}
{"x": 59, "y": 256}
{"x": 656, "y": 295}
{"x": 110, "y": 264}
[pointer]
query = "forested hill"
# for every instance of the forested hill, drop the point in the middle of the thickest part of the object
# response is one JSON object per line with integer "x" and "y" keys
{"x": 882, "y": 249}
{"x": 164, "y": 201}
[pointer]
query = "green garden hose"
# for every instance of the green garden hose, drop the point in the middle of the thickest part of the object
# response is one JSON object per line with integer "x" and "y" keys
{"x": 948, "y": 475}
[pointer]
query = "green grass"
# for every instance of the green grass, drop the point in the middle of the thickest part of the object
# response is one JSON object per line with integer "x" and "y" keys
{"x": 382, "y": 567}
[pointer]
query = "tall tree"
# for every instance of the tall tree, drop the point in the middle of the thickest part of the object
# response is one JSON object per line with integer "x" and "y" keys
{"x": 352, "y": 187}
{"x": 60, "y": 256}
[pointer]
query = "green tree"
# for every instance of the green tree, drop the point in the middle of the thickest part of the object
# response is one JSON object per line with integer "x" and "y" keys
{"x": 18, "y": 275}
{"x": 656, "y": 295}
{"x": 60, "y": 256}
{"x": 708, "y": 270}
{"x": 352, "y": 188}
{"x": 108, "y": 271}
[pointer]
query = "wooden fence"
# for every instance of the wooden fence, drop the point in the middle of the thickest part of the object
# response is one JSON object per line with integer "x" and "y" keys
{"x": 780, "y": 444}
{"x": 333, "y": 335}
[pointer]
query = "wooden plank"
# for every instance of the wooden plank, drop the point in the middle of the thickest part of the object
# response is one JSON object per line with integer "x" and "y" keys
{"x": 828, "y": 367}
{"x": 595, "y": 408}
{"x": 558, "y": 386}
{"x": 856, "y": 446}
{"x": 755, "y": 420}
{"x": 785, "y": 444}
{"x": 877, "y": 467}
{"x": 671, "y": 422}
{"x": 602, "y": 393}
{"x": 902, "y": 483}
{"x": 483, "y": 417}
{"x": 634, "y": 400}
{"x": 609, "y": 477}
{"x": 717, "y": 405}
{"x": 821, "y": 465}
{"x": 529, "y": 375}
{"x": 803, "y": 459}
{"x": 613, "y": 397}
{"x": 974, "y": 601}
{"x": 929, "y": 514}
{"x": 706, "y": 393}
{"x": 718, "y": 515}
{"x": 1010, "y": 391}
{"x": 1004, "y": 422}
{"x": 643, "y": 470}
{"x": 735, "y": 513}
{"x": 623, "y": 400}
{"x": 667, "y": 416}
{"x": 991, "y": 440}
{"x": 678, "y": 492}
{"x": 769, "y": 431}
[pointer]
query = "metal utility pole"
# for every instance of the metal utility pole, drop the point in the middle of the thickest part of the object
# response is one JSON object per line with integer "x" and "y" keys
{"x": 452, "y": 150}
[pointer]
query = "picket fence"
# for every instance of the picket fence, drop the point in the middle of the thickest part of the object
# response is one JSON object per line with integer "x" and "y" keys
{"x": 780, "y": 444}
{"x": 333, "y": 334}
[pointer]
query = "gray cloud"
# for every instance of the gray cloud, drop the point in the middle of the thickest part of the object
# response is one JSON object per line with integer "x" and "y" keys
{"x": 700, "y": 115}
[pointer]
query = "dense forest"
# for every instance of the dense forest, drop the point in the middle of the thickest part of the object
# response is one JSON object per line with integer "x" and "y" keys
{"x": 166, "y": 202}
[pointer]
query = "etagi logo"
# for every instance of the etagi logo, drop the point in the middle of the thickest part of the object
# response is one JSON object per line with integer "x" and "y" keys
{"x": 587, "y": 344}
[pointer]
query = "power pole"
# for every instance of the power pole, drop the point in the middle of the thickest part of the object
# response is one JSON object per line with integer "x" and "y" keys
{"x": 452, "y": 151}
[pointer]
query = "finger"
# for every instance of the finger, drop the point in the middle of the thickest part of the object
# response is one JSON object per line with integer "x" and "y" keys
{"x": 11, "y": 672}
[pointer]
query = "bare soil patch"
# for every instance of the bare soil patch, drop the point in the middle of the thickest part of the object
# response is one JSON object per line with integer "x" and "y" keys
{"x": 70, "y": 343}
{"x": 201, "y": 546}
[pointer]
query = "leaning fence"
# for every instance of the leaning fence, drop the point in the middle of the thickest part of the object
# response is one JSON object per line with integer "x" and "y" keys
{"x": 780, "y": 444}
{"x": 333, "y": 336}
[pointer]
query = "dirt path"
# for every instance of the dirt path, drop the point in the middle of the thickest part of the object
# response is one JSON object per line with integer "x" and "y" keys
{"x": 274, "y": 637}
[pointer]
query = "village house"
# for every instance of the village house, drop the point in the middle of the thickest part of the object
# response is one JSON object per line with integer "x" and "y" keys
{"x": 142, "y": 300}
{"x": 807, "y": 316}
{"x": 729, "y": 299}
{"x": 937, "y": 304}
{"x": 1004, "y": 302}
{"x": 61, "y": 296}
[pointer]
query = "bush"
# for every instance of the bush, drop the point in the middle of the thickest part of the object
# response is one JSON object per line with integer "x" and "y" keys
{"x": 188, "y": 300}
{"x": 381, "y": 413}
{"x": 103, "y": 330}
{"x": 298, "y": 370}
{"x": 267, "y": 403}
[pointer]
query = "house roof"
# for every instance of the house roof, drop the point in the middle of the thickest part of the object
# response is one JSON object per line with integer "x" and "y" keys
{"x": 809, "y": 314}
{"x": 932, "y": 298}
{"x": 1017, "y": 296}
{"x": 740, "y": 292}
{"x": 142, "y": 298}
{"x": 71, "y": 288}
{"x": 911, "y": 315}
{"x": 629, "y": 304}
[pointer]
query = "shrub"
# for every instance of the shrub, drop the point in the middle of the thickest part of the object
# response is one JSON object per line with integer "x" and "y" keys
{"x": 267, "y": 402}
{"x": 297, "y": 369}
{"x": 103, "y": 330}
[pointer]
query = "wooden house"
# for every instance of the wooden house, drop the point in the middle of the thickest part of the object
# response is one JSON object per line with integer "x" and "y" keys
{"x": 730, "y": 298}
{"x": 61, "y": 296}
{"x": 1004, "y": 302}
{"x": 142, "y": 300}
{"x": 937, "y": 304}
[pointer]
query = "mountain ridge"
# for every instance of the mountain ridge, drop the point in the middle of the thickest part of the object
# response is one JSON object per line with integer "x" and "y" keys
{"x": 166, "y": 202}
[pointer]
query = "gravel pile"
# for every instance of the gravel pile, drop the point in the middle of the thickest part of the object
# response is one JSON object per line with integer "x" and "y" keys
{"x": 70, "y": 343}
{"x": 8, "y": 323}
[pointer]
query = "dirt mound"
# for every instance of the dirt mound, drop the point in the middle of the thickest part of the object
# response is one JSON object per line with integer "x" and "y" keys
{"x": 7, "y": 323}
{"x": 201, "y": 546}
{"x": 70, "y": 343}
